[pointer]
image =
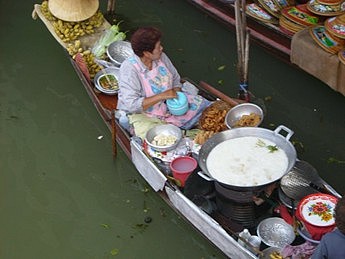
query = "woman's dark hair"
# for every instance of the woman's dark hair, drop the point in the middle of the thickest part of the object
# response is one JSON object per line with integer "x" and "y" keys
{"x": 340, "y": 214}
{"x": 145, "y": 39}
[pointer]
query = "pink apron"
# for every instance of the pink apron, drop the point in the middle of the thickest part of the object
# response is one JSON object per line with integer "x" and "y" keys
{"x": 158, "y": 80}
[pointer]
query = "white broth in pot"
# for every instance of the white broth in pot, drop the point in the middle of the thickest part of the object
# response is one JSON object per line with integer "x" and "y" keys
{"x": 246, "y": 161}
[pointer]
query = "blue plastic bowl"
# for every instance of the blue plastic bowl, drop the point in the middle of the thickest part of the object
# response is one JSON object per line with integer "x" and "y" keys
{"x": 178, "y": 106}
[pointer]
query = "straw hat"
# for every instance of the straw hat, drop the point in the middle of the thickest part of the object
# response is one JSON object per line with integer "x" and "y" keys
{"x": 73, "y": 10}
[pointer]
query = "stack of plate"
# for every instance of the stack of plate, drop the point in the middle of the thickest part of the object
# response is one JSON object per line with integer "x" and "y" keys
{"x": 296, "y": 18}
{"x": 331, "y": 36}
{"x": 336, "y": 26}
{"x": 258, "y": 13}
{"x": 268, "y": 10}
{"x": 326, "y": 7}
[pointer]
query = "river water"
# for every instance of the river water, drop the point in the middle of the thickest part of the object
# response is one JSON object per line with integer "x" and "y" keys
{"x": 61, "y": 193}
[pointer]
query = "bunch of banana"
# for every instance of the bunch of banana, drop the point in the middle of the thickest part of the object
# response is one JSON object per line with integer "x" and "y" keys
{"x": 93, "y": 67}
{"x": 45, "y": 10}
{"x": 69, "y": 31}
{"x": 74, "y": 48}
{"x": 276, "y": 255}
{"x": 89, "y": 58}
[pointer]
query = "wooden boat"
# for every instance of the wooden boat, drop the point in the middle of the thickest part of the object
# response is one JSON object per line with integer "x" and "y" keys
{"x": 267, "y": 35}
{"x": 215, "y": 227}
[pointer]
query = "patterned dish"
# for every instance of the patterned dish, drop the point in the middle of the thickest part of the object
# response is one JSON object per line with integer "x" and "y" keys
{"x": 316, "y": 7}
{"x": 300, "y": 14}
{"x": 321, "y": 36}
{"x": 317, "y": 209}
{"x": 260, "y": 14}
{"x": 271, "y": 7}
{"x": 336, "y": 26}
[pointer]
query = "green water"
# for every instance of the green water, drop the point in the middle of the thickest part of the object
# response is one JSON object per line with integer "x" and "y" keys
{"x": 61, "y": 193}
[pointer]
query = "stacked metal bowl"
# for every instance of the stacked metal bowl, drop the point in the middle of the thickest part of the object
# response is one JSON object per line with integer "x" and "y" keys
{"x": 118, "y": 51}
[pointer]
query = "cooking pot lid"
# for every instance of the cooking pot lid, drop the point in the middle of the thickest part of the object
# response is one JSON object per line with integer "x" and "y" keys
{"x": 299, "y": 181}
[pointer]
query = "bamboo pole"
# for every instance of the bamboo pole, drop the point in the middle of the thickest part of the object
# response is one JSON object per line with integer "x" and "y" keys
{"x": 111, "y": 6}
{"x": 242, "y": 37}
{"x": 238, "y": 39}
{"x": 113, "y": 133}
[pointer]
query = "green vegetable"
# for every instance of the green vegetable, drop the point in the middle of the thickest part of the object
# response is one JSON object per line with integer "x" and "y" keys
{"x": 112, "y": 34}
{"x": 272, "y": 148}
{"x": 261, "y": 143}
{"x": 221, "y": 68}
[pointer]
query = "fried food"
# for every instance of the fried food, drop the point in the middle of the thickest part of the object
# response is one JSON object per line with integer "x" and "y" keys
{"x": 202, "y": 136}
{"x": 213, "y": 117}
{"x": 250, "y": 120}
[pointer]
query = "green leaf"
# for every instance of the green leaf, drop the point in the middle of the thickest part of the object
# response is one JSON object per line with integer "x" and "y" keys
{"x": 115, "y": 251}
{"x": 221, "y": 68}
{"x": 334, "y": 160}
{"x": 105, "y": 226}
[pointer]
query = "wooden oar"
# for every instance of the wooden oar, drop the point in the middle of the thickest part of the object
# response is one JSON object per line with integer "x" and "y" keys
{"x": 113, "y": 133}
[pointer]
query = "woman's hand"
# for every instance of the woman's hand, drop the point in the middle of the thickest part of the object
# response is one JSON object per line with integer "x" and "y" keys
{"x": 168, "y": 94}
{"x": 171, "y": 93}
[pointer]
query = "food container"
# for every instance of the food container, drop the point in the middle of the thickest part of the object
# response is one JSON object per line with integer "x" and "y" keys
{"x": 245, "y": 114}
{"x": 163, "y": 132}
{"x": 106, "y": 80}
{"x": 178, "y": 106}
{"x": 282, "y": 142}
{"x": 182, "y": 167}
{"x": 275, "y": 232}
{"x": 118, "y": 51}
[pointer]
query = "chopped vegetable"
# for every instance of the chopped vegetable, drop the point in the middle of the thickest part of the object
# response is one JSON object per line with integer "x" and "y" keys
{"x": 261, "y": 143}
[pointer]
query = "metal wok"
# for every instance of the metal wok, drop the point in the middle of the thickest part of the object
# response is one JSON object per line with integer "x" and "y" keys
{"x": 273, "y": 136}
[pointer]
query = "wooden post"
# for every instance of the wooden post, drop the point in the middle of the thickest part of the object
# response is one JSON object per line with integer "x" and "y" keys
{"x": 113, "y": 133}
{"x": 111, "y": 6}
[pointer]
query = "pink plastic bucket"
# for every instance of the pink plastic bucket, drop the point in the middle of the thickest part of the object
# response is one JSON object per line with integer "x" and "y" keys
{"x": 182, "y": 167}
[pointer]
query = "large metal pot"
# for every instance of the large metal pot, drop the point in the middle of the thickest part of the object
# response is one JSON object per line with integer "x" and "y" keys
{"x": 273, "y": 136}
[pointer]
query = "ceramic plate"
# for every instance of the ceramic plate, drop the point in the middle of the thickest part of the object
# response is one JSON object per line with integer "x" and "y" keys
{"x": 336, "y": 28}
{"x": 325, "y": 10}
{"x": 325, "y": 40}
{"x": 257, "y": 12}
{"x": 317, "y": 209}
{"x": 271, "y": 7}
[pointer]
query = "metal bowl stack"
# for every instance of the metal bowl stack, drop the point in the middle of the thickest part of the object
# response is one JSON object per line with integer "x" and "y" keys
{"x": 163, "y": 130}
{"x": 118, "y": 51}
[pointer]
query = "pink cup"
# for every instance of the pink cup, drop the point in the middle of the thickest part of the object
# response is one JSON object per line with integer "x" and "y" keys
{"x": 182, "y": 167}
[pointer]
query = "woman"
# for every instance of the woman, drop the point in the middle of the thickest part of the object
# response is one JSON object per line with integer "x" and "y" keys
{"x": 148, "y": 78}
{"x": 332, "y": 245}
